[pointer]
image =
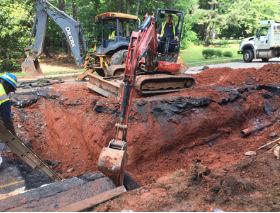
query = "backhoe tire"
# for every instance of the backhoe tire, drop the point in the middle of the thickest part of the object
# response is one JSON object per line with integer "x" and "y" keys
{"x": 248, "y": 55}
{"x": 265, "y": 59}
{"x": 119, "y": 58}
{"x": 101, "y": 72}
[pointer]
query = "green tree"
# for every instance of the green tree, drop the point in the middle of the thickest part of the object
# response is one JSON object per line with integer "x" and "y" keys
{"x": 15, "y": 27}
{"x": 233, "y": 18}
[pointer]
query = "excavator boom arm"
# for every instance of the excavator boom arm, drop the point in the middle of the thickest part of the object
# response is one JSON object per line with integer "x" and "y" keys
{"x": 113, "y": 159}
{"x": 142, "y": 43}
{"x": 72, "y": 29}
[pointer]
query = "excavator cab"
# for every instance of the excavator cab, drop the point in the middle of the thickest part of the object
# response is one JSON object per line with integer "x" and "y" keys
{"x": 167, "y": 42}
{"x": 171, "y": 48}
{"x": 113, "y": 52}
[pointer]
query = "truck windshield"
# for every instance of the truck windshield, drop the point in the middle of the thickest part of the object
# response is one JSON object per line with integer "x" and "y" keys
{"x": 263, "y": 31}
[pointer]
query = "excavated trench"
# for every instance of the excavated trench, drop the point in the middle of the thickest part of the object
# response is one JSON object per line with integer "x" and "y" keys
{"x": 67, "y": 125}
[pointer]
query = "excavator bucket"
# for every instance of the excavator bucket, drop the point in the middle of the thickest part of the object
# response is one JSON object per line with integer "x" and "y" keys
{"x": 112, "y": 162}
{"x": 31, "y": 66}
{"x": 184, "y": 67}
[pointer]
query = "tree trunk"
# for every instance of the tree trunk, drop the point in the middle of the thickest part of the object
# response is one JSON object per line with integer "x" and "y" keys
{"x": 128, "y": 12}
{"x": 206, "y": 41}
{"x": 120, "y": 6}
{"x": 46, "y": 51}
{"x": 202, "y": 32}
{"x": 74, "y": 8}
{"x": 137, "y": 11}
{"x": 61, "y": 6}
{"x": 137, "y": 8}
{"x": 213, "y": 31}
{"x": 121, "y": 11}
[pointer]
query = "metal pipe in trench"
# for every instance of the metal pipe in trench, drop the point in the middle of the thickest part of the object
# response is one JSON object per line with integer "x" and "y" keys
{"x": 248, "y": 131}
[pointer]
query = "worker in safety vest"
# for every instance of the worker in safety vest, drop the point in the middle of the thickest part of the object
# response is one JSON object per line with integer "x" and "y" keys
{"x": 8, "y": 83}
{"x": 111, "y": 37}
{"x": 167, "y": 30}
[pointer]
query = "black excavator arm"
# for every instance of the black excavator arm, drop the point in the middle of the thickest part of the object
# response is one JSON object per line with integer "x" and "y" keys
{"x": 72, "y": 29}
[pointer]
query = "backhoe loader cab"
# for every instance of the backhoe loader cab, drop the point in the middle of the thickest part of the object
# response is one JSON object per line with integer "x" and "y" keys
{"x": 114, "y": 53}
{"x": 121, "y": 41}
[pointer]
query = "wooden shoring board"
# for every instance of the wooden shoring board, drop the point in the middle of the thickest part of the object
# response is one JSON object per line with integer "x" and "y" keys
{"x": 26, "y": 154}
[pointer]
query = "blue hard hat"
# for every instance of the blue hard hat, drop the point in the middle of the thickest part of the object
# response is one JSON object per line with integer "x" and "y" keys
{"x": 110, "y": 27}
{"x": 10, "y": 78}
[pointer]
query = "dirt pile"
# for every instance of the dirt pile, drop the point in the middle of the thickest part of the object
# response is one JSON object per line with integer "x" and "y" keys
{"x": 68, "y": 125}
{"x": 251, "y": 185}
{"x": 225, "y": 77}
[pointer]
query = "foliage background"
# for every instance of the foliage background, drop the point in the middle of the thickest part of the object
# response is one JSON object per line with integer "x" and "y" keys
{"x": 204, "y": 21}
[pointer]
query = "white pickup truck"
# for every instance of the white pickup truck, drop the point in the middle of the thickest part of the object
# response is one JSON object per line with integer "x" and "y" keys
{"x": 265, "y": 45}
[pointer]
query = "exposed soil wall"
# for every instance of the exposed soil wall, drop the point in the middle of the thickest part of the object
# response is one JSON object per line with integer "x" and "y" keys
{"x": 68, "y": 125}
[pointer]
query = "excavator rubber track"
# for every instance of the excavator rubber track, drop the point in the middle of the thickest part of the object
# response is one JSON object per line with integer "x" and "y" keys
{"x": 163, "y": 83}
{"x": 144, "y": 85}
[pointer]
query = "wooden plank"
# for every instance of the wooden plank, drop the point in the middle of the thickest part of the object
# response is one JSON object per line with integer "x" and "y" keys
{"x": 59, "y": 194}
{"x": 90, "y": 202}
{"x": 25, "y": 153}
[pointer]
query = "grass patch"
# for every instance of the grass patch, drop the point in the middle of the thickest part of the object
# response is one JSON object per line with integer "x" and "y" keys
{"x": 63, "y": 72}
{"x": 59, "y": 77}
{"x": 193, "y": 56}
{"x": 22, "y": 74}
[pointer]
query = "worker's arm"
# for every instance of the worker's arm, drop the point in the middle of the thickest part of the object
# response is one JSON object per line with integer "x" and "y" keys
{"x": 8, "y": 123}
{"x": 176, "y": 33}
{"x": 7, "y": 116}
{"x": 159, "y": 31}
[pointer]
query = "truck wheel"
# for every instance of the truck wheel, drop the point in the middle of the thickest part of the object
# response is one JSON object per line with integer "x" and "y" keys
{"x": 119, "y": 58}
{"x": 265, "y": 59}
{"x": 248, "y": 55}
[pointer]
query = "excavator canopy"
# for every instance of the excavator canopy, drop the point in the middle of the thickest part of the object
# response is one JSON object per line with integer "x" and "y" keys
{"x": 113, "y": 16}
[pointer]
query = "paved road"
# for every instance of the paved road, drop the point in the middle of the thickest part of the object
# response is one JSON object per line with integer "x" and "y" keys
{"x": 235, "y": 65}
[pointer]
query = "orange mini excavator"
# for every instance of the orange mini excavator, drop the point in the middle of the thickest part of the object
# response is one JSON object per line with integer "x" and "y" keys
{"x": 156, "y": 73}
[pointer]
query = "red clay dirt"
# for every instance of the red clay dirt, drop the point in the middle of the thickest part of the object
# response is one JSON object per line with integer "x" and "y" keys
{"x": 268, "y": 74}
{"x": 165, "y": 132}
{"x": 75, "y": 133}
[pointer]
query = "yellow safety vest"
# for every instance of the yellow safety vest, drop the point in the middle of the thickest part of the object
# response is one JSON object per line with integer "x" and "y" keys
{"x": 3, "y": 95}
{"x": 162, "y": 29}
{"x": 112, "y": 36}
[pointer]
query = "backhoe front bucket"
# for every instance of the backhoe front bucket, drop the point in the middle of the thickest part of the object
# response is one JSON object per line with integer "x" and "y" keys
{"x": 108, "y": 88}
{"x": 112, "y": 162}
{"x": 31, "y": 66}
